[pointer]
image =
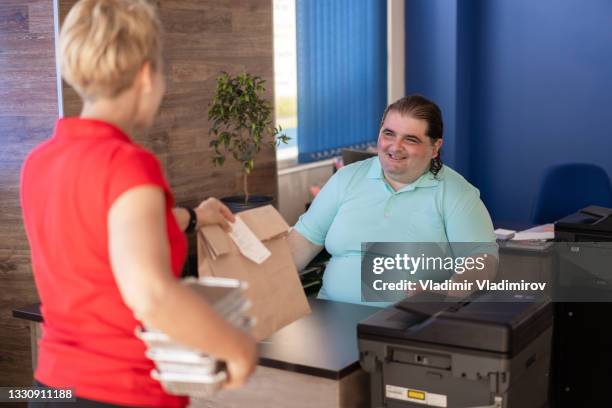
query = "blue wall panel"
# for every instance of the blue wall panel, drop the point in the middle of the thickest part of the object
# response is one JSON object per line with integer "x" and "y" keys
{"x": 431, "y": 60}
{"x": 545, "y": 96}
{"x": 532, "y": 88}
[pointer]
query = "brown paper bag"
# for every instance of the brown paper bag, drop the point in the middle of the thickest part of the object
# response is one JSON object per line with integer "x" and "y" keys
{"x": 274, "y": 288}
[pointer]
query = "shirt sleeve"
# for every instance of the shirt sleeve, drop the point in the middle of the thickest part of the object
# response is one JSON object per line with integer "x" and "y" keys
{"x": 469, "y": 224}
{"x": 314, "y": 223}
{"x": 131, "y": 169}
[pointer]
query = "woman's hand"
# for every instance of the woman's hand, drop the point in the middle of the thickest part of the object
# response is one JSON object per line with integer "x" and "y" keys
{"x": 213, "y": 211}
{"x": 242, "y": 364}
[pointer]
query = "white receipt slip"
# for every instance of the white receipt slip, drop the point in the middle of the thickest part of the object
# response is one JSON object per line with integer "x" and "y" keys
{"x": 247, "y": 242}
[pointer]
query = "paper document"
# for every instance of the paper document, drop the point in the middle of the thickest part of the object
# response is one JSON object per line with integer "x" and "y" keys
{"x": 527, "y": 236}
{"x": 504, "y": 234}
{"x": 248, "y": 244}
{"x": 542, "y": 232}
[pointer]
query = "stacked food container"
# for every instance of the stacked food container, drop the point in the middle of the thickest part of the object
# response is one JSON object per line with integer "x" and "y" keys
{"x": 182, "y": 370}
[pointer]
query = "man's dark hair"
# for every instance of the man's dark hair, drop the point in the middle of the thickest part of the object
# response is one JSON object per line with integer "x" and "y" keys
{"x": 419, "y": 107}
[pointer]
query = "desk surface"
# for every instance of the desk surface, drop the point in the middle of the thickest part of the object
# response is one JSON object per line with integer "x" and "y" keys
{"x": 323, "y": 344}
{"x": 31, "y": 312}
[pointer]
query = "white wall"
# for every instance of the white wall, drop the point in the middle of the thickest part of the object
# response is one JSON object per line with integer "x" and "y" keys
{"x": 293, "y": 187}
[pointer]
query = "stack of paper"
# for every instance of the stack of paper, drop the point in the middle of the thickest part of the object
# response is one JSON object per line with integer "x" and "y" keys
{"x": 184, "y": 371}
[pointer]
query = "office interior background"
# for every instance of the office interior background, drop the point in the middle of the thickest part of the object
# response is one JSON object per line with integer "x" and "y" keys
{"x": 523, "y": 85}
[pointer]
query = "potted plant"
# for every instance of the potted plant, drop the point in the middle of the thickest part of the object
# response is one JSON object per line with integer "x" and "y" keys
{"x": 241, "y": 126}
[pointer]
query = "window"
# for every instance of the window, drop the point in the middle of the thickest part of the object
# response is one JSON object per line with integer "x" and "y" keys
{"x": 285, "y": 76}
{"x": 339, "y": 49}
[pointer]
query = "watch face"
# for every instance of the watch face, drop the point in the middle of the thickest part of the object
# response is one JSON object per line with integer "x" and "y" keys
{"x": 193, "y": 220}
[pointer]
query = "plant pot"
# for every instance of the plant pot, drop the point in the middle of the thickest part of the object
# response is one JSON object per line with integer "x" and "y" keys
{"x": 236, "y": 203}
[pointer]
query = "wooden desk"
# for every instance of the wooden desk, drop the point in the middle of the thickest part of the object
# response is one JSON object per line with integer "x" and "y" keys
{"x": 32, "y": 314}
{"x": 313, "y": 362}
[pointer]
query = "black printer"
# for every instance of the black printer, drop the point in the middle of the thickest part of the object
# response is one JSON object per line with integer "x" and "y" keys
{"x": 591, "y": 224}
{"x": 485, "y": 351}
{"x": 582, "y": 327}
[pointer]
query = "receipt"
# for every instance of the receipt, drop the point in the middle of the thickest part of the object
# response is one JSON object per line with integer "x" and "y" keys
{"x": 247, "y": 242}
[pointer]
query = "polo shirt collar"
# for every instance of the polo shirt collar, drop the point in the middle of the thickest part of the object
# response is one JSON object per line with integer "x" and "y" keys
{"x": 426, "y": 180}
{"x": 79, "y": 128}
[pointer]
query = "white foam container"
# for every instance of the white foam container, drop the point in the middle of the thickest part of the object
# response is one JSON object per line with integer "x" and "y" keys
{"x": 187, "y": 362}
{"x": 193, "y": 385}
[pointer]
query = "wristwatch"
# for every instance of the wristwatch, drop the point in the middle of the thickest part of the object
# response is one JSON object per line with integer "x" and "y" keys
{"x": 193, "y": 220}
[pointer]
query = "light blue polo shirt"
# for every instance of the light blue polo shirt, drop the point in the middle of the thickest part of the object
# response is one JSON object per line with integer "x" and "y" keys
{"x": 358, "y": 205}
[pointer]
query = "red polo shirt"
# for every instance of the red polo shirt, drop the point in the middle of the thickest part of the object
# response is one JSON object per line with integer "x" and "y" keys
{"x": 68, "y": 185}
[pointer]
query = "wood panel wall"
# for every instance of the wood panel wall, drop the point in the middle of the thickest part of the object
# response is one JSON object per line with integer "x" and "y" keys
{"x": 203, "y": 37}
{"x": 28, "y": 110}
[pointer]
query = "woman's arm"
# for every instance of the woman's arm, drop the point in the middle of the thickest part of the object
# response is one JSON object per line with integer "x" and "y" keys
{"x": 182, "y": 217}
{"x": 302, "y": 249}
{"x": 140, "y": 259}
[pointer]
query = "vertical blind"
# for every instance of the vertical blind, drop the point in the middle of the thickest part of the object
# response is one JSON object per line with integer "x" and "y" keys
{"x": 341, "y": 74}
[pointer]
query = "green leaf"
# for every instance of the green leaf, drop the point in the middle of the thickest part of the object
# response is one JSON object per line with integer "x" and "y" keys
{"x": 248, "y": 166}
{"x": 241, "y": 120}
{"x": 218, "y": 160}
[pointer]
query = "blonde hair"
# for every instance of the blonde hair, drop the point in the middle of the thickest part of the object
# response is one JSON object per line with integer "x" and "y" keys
{"x": 104, "y": 43}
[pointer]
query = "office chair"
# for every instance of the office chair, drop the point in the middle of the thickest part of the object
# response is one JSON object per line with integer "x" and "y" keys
{"x": 350, "y": 156}
{"x": 567, "y": 188}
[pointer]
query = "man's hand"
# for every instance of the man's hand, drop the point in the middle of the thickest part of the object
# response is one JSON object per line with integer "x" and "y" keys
{"x": 213, "y": 211}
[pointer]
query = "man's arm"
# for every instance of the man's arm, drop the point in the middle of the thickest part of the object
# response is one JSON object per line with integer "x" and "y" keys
{"x": 302, "y": 249}
{"x": 470, "y": 230}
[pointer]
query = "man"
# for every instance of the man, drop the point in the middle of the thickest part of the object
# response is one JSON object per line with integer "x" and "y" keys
{"x": 405, "y": 194}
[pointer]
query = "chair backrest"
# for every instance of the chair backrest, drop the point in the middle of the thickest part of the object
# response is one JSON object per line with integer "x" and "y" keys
{"x": 567, "y": 188}
{"x": 353, "y": 155}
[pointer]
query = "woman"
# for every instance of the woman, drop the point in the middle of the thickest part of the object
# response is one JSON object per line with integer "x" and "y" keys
{"x": 405, "y": 194}
{"x": 106, "y": 243}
